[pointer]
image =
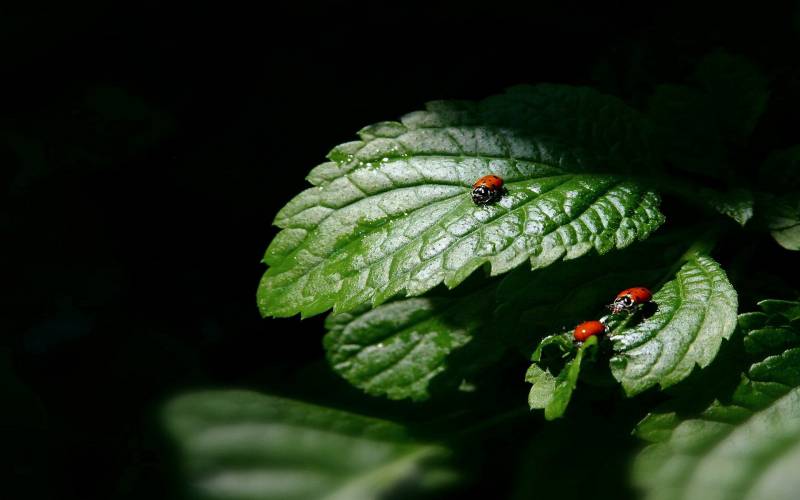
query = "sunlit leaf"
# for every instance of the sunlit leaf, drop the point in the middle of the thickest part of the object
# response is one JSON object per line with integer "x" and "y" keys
{"x": 391, "y": 214}
{"x": 695, "y": 311}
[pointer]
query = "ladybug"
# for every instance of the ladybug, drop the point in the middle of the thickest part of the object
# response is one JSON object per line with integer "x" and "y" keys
{"x": 588, "y": 329}
{"x": 627, "y": 299}
{"x": 487, "y": 189}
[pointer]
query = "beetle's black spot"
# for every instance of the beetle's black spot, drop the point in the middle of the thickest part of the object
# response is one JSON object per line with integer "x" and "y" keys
{"x": 483, "y": 195}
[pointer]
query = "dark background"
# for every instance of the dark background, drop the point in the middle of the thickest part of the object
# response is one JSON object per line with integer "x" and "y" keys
{"x": 145, "y": 153}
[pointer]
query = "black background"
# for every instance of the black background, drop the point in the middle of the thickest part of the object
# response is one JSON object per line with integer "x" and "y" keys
{"x": 146, "y": 152}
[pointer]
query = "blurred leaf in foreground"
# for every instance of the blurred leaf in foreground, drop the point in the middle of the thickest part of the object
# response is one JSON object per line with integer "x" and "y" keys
{"x": 243, "y": 445}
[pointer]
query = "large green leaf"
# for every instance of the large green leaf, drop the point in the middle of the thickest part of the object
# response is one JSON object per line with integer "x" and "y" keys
{"x": 391, "y": 214}
{"x": 695, "y": 312}
{"x": 746, "y": 443}
{"x": 409, "y": 347}
{"x": 240, "y": 445}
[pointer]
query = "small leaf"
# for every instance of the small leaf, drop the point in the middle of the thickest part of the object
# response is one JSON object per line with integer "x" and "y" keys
{"x": 403, "y": 348}
{"x": 779, "y": 203}
{"x": 736, "y": 203}
{"x": 696, "y": 311}
{"x": 782, "y": 217}
{"x": 243, "y": 445}
{"x": 391, "y": 214}
{"x": 744, "y": 444}
{"x": 553, "y": 393}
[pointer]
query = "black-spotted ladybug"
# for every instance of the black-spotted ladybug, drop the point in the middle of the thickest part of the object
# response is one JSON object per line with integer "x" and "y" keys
{"x": 487, "y": 189}
{"x": 627, "y": 299}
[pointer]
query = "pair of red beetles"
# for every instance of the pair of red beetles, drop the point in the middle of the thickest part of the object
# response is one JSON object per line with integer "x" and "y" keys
{"x": 626, "y": 300}
{"x": 489, "y": 189}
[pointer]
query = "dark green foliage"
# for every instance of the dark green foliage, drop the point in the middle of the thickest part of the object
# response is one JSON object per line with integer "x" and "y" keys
{"x": 388, "y": 234}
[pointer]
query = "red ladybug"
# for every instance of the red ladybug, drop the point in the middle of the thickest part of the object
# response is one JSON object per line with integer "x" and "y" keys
{"x": 588, "y": 329}
{"x": 627, "y": 299}
{"x": 487, "y": 189}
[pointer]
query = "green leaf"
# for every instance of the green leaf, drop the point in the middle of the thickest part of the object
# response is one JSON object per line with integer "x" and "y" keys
{"x": 244, "y": 445}
{"x": 391, "y": 214}
{"x": 779, "y": 205}
{"x": 737, "y": 90}
{"x": 781, "y": 216}
{"x": 696, "y": 311}
{"x": 736, "y": 203}
{"x": 533, "y": 304}
{"x": 745, "y": 443}
{"x": 553, "y": 393}
{"x": 615, "y": 133}
{"x": 408, "y": 348}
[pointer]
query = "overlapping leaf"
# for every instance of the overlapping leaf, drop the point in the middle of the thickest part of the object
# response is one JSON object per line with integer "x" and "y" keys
{"x": 404, "y": 348}
{"x": 411, "y": 347}
{"x": 779, "y": 206}
{"x": 243, "y": 445}
{"x": 391, "y": 214}
{"x": 745, "y": 444}
{"x": 695, "y": 312}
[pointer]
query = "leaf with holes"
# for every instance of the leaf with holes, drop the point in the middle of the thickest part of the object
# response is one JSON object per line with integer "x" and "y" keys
{"x": 695, "y": 312}
{"x": 552, "y": 393}
{"x": 241, "y": 444}
{"x": 746, "y": 443}
{"x": 412, "y": 347}
{"x": 392, "y": 215}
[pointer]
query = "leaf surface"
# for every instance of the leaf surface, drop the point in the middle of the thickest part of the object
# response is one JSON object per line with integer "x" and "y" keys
{"x": 243, "y": 445}
{"x": 410, "y": 347}
{"x": 695, "y": 311}
{"x": 553, "y": 393}
{"x": 391, "y": 214}
{"x": 744, "y": 445}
